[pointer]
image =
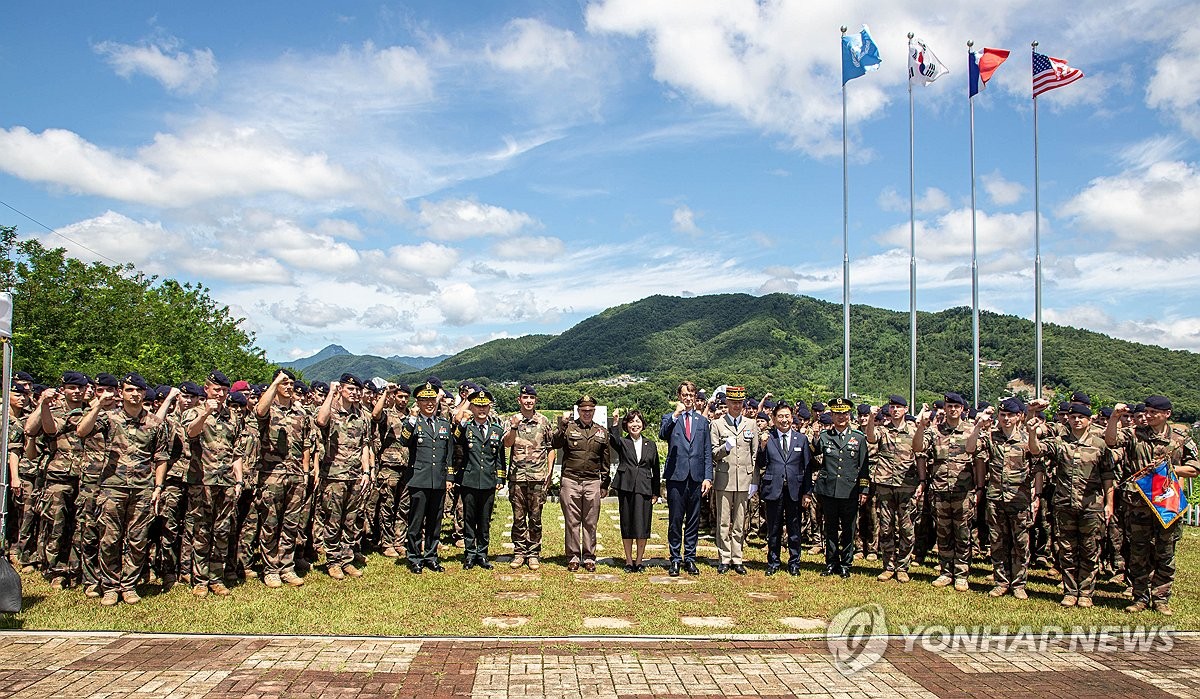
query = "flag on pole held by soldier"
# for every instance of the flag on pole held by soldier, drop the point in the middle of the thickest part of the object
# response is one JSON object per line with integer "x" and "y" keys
{"x": 1050, "y": 73}
{"x": 1163, "y": 492}
{"x": 982, "y": 64}
{"x": 923, "y": 66}
{"x": 859, "y": 54}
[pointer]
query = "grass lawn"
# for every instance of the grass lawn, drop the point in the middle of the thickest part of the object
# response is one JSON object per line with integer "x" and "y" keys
{"x": 389, "y": 600}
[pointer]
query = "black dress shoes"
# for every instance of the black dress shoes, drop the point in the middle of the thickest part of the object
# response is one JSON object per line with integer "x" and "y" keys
{"x": 829, "y": 570}
{"x": 794, "y": 570}
{"x": 435, "y": 566}
{"x": 469, "y": 564}
{"x": 722, "y": 568}
{"x": 690, "y": 567}
{"x": 739, "y": 568}
{"x": 844, "y": 572}
{"x": 630, "y": 568}
{"x": 673, "y": 569}
{"x": 771, "y": 570}
{"x": 640, "y": 568}
{"x": 484, "y": 563}
{"x": 414, "y": 568}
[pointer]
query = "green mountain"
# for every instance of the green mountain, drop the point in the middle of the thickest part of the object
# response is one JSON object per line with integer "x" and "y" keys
{"x": 792, "y": 345}
{"x": 419, "y": 362}
{"x": 364, "y": 366}
{"x": 328, "y": 352}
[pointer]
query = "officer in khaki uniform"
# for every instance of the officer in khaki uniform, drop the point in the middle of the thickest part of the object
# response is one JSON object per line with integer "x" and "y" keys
{"x": 585, "y": 479}
{"x": 530, "y": 467}
{"x": 899, "y": 480}
{"x": 842, "y": 479}
{"x": 734, "y": 438}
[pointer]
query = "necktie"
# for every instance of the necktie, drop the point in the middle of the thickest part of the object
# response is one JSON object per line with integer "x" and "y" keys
{"x": 784, "y": 441}
{"x": 687, "y": 426}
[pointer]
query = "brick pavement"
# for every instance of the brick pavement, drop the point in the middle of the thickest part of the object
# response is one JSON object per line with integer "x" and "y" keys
{"x": 49, "y": 664}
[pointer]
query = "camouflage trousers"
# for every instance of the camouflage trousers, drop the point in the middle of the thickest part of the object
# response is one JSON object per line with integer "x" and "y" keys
{"x": 310, "y": 528}
{"x": 125, "y": 515}
{"x": 339, "y": 502}
{"x": 210, "y": 521}
{"x": 392, "y": 508}
{"x": 952, "y": 514}
{"x": 1151, "y": 561}
{"x": 1042, "y": 534}
{"x": 868, "y": 527}
{"x": 244, "y": 547}
{"x": 86, "y": 542}
{"x": 25, "y": 545}
{"x": 811, "y": 524}
{"x": 174, "y": 543}
{"x": 1008, "y": 526}
{"x": 1077, "y": 536}
{"x": 1112, "y": 543}
{"x": 279, "y": 504}
{"x": 58, "y": 525}
{"x": 924, "y": 528}
{"x": 896, "y": 505}
{"x": 756, "y": 519}
{"x": 527, "y": 498}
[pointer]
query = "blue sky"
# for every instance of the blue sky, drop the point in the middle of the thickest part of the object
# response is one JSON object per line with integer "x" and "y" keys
{"x": 419, "y": 178}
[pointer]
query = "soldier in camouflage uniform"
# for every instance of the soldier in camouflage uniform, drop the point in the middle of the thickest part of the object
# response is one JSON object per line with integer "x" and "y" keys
{"x": 867, "y": 545}
{"x": 53, "y": 422}
{"x": 955, "y": 483}
{"x": 31, "y": 471}
{"x": 392, "y": 470}
{"x": 174, "y": 541}
{"x": 346, "y": 472}
{"x": 285, "y": 430}
{"x": 17, "y": 401}
{"x": 899, "y": 481}
{"x": 811, "y": 520}
{"x": 1081, "y": 469}
{"x": 309, "y": 548}
{"x": 531, "y": 466}
{"x": 1112, "y": 539}
{"x": 243, "y": 550}
{"x": 215, "y": 475}
{"x": 86, "y": 543}
{"x": 135, "y": 445}
{"x": 1008, "y": 452}
{"x": 477, "y": 467}
{"x": 1151, "y": 560}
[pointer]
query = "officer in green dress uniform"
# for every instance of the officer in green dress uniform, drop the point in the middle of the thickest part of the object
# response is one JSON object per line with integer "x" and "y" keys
{"x": 478, "y": 471}
{"x": 428, "y": 438}
{"x": 840, "y": 462}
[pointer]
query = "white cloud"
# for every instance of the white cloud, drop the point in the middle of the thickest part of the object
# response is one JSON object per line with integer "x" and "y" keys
{"x": 1002, "y": 192}
{"x": 1155, "y": 209}
{"x": 460, "y": 304}
{"x": 949, "y": 236}
{"x": 387, "y": 317}
{"x": 932, "y": 200}
{"x": 303, "y": 249}
{"x": 1171, "y": 330}
{"x": 1173, "y": 87}
{"x": 530, "y": 248}
{"x": 456, "y": 219}
{"x": 683, "y": 220}
{"x": 177, "y": 70}
{"x": 534, "y": 46}
{"x": 310, "y": 313}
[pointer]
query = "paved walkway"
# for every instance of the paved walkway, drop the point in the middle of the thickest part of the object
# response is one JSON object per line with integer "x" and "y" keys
{"x": 48, "y": 664}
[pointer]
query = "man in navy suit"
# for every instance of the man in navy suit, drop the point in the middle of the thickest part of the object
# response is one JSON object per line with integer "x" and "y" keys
{"x": 688, "y": 474}
{"x": 783, "y": 466}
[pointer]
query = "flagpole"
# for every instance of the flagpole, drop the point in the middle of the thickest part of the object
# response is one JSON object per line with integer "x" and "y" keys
{"x": 912, "y": 246}
{"x": 1037, "y": 254}
{"x": 845, "y": 253}
{"x": 974, "y": 244}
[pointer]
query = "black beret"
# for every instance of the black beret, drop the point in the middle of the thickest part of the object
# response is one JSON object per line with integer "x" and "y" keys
{"x": 1081, "y": 397}
{"x": 466, "y": 386}
{"x": 349, "y": 379}
{"x": 1158, "y": 402}
{"x": 1138, "y": 408}
{"x": 20, "y": 388}
{"x": 405, "y": 388}
{"x": 955, "y": 398}
{"x": 1080, "y": 409}
{"x": 769, "y": 404}
{"x": 939, "y": 404}
{"x": 285, "y": 371}
{"x": 826, "y": 419}
{"x": 897, "y": 400}
{"x": 300, "y": 387}
{"x": 1106, "y": 412}
{"x": 104, "y": 379}
{"x": 437, "y": 383}
{"x": 818, "y": 407}
{"x": 1012, "y": 405}
{"x": 804, "y": 413}
{"x": 701, "y": 394}
{"x": 74, "y": 378}
{"x": 219, "y": 379}
{"x": 191, "y": 388}
{"x": 137, "y": 381}
{"x": 319, "y": 386}
{"x": 1062, "y": 406}
{"x": 983, "y": 404}
{"x": 762, "y": 416}
{"x": 37, "y": 389}
{"x": 238, "y": 398}
{"x": 23, "y": 376}
{"x": 528, "y": 390}
{"x": 161, "y": 392}
{"x": 864, "y": 409}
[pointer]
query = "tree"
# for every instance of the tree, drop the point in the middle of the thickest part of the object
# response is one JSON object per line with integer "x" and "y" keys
{"x": 69, "y": 315}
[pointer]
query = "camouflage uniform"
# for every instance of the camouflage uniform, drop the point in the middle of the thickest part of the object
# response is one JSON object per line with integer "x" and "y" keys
{"x": 1009, "y": 471}
{"x": 1151, "y": 561}
{"x": 246, "y": 523}
{"x": 284, "y": 454}
{"x": 86, "y": 544}
{"x": 174, "y": 540}
{"x": 528, "y": 471}
{"x": 952, "y": 483}
{"x": 392, "y": 474}
{"x": 1114, "y": 549}
{"x": 31, "y": 472}
{"x": 212, "y": 494}
{"x": 16, "y": 449}
{"x": 895, "y": 477}
{"x": 345, "y": 437}
{"x": 811, "y": 521}
{"x": 1080, "y": 469}
{"x": 61, "y": 491}
{"x": 477, "y": 468}
{"x": 133, "y": 448}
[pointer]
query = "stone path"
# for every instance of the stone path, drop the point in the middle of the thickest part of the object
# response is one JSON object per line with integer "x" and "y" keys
{"x": 48, "y": 664}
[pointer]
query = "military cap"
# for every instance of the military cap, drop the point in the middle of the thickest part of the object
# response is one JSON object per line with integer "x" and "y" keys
{"x": 405, "y": 388}
{"x": 20, "y": 388}
{"x": 1106, "y": 412}
{"x": 348, "y": 379}
{"x": 939, "y": 404}
{"x": 238, "y": 398}
{"x": 240, "y": 385}
{"x": 1081, "y": 397}
{"x": 23, "y": 376}
{"x": 971, "y": 413}
{"x": 818, "y": 407}
{"x": 528, "y": 390}
{"x": 427, "y": 390}
{"x": 480, "y": 396}
{"x": 258, "y": 389}
{"x": 161, "y": 392}
{"x": 74, "y": 378}
{"x": 751, "y": 404}
{"x": 319, "y": 387}
{"x": 1138, "y": 408}
{"x": 769, "y": 404}
{"x": 898, "y": 400}
{"x": 437, "y": 383}
{"x": 735, "y": 393}
{"x": 841, "y": 405}
{"x": 762, "y": 416}
{"x": 1158, "y": 402}
{"x": 1062, "y": 406}
{"x": 136, "y": 380}
{"x": 585, "y": 399}
{"x": 864, "y": 409}
{"x": 803, "y": 413}
{"x": 955, "y": 398}
{"x": 219, "y": 379}
{"x": 285, "y": 371}
{"x": 826, "y": 419}
{"x": 1080, "y": 409}
{"x": 910, "y": 418}
{"x": 191, "y": 388}
{"x": 1012, "y": 405}
{"x": 466, "y": 386}
{"x": 300, "y": 388}
{"x": 105, "y": 379}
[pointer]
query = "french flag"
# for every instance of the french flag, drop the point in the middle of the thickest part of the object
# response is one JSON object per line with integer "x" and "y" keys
{"x": 981, "y": 66}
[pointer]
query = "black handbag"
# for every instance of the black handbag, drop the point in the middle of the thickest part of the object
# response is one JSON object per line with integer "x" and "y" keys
{"x": 10, "y": 588}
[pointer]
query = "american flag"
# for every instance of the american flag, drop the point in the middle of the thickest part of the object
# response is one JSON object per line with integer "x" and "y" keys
{"x": 1050, "y": 72}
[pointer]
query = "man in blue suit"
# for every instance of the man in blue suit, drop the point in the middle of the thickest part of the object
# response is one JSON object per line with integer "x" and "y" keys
{"x": 784, "y": 460}
{"x": 688, "y": 473}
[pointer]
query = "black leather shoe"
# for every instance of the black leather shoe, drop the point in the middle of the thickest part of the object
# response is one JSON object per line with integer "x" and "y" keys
{"x": 844, "y": 572}
{"x": 829, "y": 570}
{"x": 771, "y": 570}
{"x": 484, "y": 563}
{"x": 722, "y": 568}
{"x": 673, "y": 569}
{"x": 630, "y": 568}
{"x": 739, "y": 568}
{"x": 640, "y": 568}
{"x": 469, "y": 564}
{"x": 414, "y": 568}
{"x": 690, "y": 567}
{"x": 793, "y": 570}
{"x": 435, "y": 566}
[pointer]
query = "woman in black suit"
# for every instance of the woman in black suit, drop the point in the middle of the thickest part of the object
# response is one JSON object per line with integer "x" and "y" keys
{"x": 637, "y": 483}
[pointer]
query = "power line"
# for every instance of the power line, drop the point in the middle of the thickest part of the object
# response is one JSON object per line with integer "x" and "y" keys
{"x": 60, "y": 235}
